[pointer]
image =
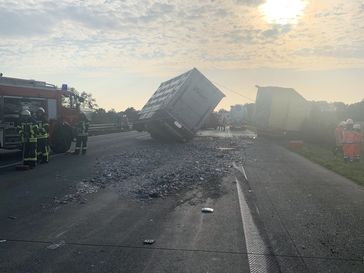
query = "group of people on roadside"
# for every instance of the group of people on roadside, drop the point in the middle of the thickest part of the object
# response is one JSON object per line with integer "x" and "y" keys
{"x": 349, "y": 139}
{"x": 34, "y": 136}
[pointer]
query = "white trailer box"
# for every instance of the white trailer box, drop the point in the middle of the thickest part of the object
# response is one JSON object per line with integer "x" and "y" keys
{"x": 179, "y": 107}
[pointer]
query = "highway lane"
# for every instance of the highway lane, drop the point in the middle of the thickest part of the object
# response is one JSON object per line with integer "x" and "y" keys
{"x": 291, "y": 215}
{"x": 307, "y": 211}
{"x": 106, "y": 234}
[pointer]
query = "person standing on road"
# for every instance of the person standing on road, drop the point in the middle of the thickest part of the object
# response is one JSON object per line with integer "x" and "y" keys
{"x": 42, "y": 143}
{"x": 339, "y": 134}
{"x": 358, "y": 140}
{"x": 81, "y": 134}
{"x": 221, "y": 123}
{"x": 28, "y": 131}
{"x": 348, "y": 141}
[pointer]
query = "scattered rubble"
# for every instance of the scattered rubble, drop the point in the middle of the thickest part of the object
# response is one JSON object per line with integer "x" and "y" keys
{"x": 82, "y": 189}
{"x": 148, "y": 242}
{"x": 158, "y": 169}
{"x": 155, "y": 170}
{"x": 56, "y": 245}
{"x": 207, "y": 210}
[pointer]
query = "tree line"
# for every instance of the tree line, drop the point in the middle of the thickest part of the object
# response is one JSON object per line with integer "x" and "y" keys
{"x": 100, "y": 115}
{"x": 319, "y": 127}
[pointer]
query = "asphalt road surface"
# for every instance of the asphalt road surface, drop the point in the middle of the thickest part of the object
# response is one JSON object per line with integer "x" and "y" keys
{"x": 277, "y": 213}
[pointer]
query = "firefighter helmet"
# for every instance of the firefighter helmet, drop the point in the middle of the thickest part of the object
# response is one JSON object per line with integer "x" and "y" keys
{"x": 342, "y": 124}
{"x": 349, "y": 121}
{"x": 26, "y": 113}
{"x": 41, "y": 110}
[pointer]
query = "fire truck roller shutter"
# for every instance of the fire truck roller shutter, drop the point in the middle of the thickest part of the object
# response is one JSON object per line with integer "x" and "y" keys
{"x": 52, "y": 109}
{"x": 1, "y": 137}
{"x": 61, "y": 138}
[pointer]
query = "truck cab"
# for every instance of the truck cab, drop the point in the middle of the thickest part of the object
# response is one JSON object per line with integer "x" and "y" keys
{"x": 61, "y": 106}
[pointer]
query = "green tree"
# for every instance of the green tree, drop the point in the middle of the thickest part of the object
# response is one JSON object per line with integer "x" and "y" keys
{"x": 88, "y": 101}
{"x": 131, "y": 114}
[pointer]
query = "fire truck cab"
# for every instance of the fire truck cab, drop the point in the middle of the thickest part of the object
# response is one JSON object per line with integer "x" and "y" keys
{"x": 62, "y": 107}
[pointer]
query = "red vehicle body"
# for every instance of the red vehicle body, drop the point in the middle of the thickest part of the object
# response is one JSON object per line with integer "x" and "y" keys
{"x": 61, "y": 106}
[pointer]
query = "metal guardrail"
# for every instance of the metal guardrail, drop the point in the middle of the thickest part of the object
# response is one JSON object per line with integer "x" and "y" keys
{"x": 101, "y": 128}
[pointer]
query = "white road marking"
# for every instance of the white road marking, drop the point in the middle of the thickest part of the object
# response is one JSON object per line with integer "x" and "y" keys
{"x": 10, "y": 165}
{"x": 261, "y": 261}
{"x": 62, "y": 233}
{"x": 241, "y": 169}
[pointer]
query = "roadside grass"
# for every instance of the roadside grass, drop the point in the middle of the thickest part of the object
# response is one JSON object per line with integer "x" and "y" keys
{"x": 325, "y": 157}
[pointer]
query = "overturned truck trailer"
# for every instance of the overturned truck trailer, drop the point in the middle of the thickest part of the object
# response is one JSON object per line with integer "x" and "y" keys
{"x": 179, "y": 107}
{"x": 280, "y": 111}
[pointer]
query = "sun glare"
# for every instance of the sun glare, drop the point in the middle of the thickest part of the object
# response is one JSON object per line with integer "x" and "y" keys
{"x": 283, "y": 12}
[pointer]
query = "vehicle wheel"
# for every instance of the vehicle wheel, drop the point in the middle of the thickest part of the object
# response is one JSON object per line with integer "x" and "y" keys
{"x": 62, "y": 138}
{"x": 157, "y": 137}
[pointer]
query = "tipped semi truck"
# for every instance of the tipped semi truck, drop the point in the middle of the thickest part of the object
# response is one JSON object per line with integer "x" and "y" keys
{"x": 280, "y": 111}
{"x": 179, "y": 107}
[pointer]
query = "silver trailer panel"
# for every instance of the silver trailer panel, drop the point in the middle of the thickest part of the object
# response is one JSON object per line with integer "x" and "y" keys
{"x": 180, "y": 106}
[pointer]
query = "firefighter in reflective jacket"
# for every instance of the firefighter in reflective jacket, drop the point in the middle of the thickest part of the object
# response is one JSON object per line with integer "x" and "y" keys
{"x": 339, "y": 134}
{"x": 42, "y": 143}
{"x": 81, "y": 135}
{"x": 349, "y": 141}
{"x": 358, "y": 140}
{"x": 28, "y": 131}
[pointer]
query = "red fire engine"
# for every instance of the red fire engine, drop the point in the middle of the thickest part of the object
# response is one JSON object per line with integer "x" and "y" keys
{"x": 62, "y": 106}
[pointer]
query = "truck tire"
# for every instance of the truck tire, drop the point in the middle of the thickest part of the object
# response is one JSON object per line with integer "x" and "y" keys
{"x": 62, "y": 138}
{"x": 157, "y": 137}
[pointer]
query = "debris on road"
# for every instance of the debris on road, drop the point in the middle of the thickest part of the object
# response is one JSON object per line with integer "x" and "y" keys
{"x": 148, "y": 242}
{"x": 155, "y": 170}
{"x": 3, "y": 241}
{"x": 154, "y": 194}
{"x": 152, "y": 170}
{"x": 207, "y": 210}
{"x": 56, "y": 245}
{"x": 12, "y": 217}
{"x": 82, "y": 189}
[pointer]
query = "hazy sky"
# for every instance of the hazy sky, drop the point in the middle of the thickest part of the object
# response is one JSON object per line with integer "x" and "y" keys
{"x": 120, "y": 51}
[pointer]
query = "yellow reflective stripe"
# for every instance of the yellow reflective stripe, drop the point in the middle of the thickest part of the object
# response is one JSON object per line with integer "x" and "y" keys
{"x": 30, "y": 158}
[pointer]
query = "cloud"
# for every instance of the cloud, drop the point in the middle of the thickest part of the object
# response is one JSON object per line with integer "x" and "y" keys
{"x": 342, "y": 52}
{"x": 250, "y": 2}
{"x": 155, "y": 35}
{"x": 27, "y": 24}
{"x": 276, "y": 31}
{"x": 40, "y": 21}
